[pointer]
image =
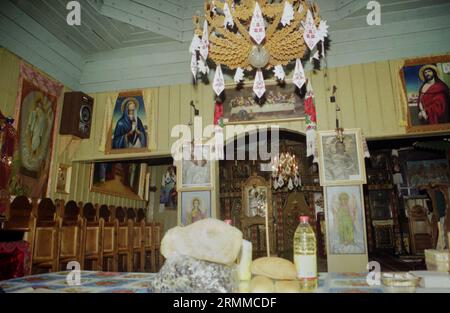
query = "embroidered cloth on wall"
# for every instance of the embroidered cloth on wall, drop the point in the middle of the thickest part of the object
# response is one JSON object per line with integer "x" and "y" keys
{"x": 36, "y": 112}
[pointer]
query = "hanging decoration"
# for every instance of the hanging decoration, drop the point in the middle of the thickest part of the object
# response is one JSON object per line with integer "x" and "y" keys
{"x": 311, "y": 123}
{"x": 310, "y": 34}
{"x": 285, "y": 171}
{"x": 299, "y": 78}
{"x": 219, "y": 82}
{"x": 279, "y": 72}
{"x": 263, "y": 35}
{"x": 239, "y": 75}
{"x": 288, "y": 14}
{"x": 218, "y": 112}
{"x": 259, "y": 86}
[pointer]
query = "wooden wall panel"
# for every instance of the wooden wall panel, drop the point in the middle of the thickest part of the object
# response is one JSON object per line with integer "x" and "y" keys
{"x": 367, "y": 95}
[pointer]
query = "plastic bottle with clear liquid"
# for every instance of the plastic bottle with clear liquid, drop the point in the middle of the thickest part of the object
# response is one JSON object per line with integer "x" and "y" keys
{"x": 305, "y": 255}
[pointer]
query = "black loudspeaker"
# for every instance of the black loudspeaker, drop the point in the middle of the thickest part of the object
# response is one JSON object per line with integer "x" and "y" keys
{"x": 76, "y": 119}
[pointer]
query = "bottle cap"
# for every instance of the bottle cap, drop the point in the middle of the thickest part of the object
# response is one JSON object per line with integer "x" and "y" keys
{"x": 304, "y": 219}
{"x": 229, "y": 222}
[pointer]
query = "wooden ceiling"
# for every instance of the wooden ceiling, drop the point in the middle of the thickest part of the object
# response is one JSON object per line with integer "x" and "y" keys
{"x": 96, "y": 33}
{"x": 123, "y": 41}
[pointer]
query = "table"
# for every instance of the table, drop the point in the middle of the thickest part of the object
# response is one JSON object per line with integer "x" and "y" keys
{"x": 102, "y": 282}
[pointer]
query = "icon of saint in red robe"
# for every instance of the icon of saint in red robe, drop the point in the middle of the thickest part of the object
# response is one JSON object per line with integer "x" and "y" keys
{"x": 434, "y": 98}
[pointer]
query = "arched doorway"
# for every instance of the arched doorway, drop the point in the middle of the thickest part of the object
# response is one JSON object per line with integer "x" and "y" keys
{"x": 286, "y": 205}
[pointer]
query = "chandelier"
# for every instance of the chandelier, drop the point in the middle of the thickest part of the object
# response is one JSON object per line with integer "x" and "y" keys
{"x": 252, "y": 36}
{"x": 285, "y": 170}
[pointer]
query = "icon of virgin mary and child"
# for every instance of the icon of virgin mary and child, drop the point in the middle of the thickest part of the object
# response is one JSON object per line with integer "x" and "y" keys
{"x": 129, "y": 132}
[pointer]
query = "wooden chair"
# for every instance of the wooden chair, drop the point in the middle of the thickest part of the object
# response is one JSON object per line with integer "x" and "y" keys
{"x": 157, "y": 234}
{"x": 149, "y": 244}
{"x": 124, "y": 240}
{"x": 137, "y": 235}
{"x": 44, "y": 251}
{"x": 91, "y": 239}
{"x": 108, "y": 239}
{"x": 19, "y": 217}
{"x": 420, "y": 230}
{"x": 69, "y": 238}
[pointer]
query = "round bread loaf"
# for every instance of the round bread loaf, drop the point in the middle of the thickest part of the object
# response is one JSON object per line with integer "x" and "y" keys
{"x": 287, "y": 286}
{"x": 275, "y": 268}
{"x": 261, "y": 284}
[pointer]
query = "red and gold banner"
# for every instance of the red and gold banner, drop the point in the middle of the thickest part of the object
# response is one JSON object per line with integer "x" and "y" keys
{"x": 36, "y": 112}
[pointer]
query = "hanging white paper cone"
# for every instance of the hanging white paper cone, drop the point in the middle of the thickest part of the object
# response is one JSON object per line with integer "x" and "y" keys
{"x": 279, "y": 72}
{"x": 259, "y": 87}
{"x": 239, "y": 75}
{"x": 322, "y": 33}
{"x": 219, "y": 82}
{"x": 195, "y": 44}
{"x": 310, "y": 141}
{"x": 275, "y": 184}
{"x": 288, "y": 14}
{"x": 194, "y": 65}
{"x": 322, "y": 30}
{"x": 296, "y": 181}
{"x": 291, "y": 184}
{"x": 280, "y": 181}
{"x": 310, "y": 35}
{"x": 315, "y": 56}
{"x": 218, "y": 144}
{"x": 228, "y": 21}
{"x": 204, "y": 46}
{"x": 202, "y": 66}
{"x": 257, "y": 27}
{"x": 299, "y": 78}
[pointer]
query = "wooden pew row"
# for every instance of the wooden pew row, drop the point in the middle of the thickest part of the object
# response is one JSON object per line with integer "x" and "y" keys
{"x": 98, "y": 237}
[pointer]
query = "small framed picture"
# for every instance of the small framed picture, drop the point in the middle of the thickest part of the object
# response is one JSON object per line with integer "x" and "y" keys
{"x": 346, "y": 231}
{"x": 63, "y": 179}
{"x": 196, "y": 166}
{"x": 341, "y": 161}
{"x": 195, "y": 206}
